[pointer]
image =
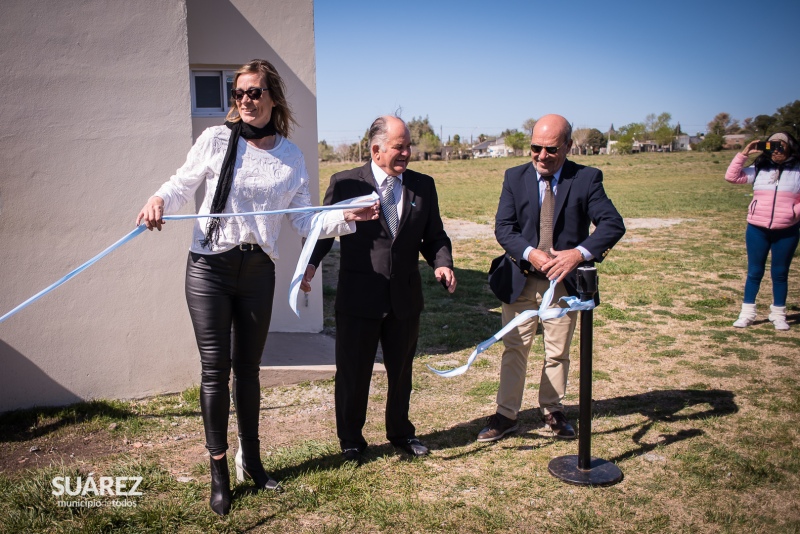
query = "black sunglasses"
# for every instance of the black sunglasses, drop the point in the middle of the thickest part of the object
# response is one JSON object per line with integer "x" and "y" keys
{"x": 254, "y": 93}
{"x": 535, "y": 149}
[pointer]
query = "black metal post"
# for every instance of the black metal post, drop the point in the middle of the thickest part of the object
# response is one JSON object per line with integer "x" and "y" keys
{"x": 585, "y": 418}
{"x": 583, "y": 469}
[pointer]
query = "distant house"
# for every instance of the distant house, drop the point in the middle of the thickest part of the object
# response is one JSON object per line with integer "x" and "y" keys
{"x": 734, "y": 140}
{"x": 644, "y": 146}
{"x": 681, "y": 142}
{"x": 498, "y": 148}
{"x": 481, "y": 150}
{"x": 492, "y": 148}
{"x": 582, "y": 150}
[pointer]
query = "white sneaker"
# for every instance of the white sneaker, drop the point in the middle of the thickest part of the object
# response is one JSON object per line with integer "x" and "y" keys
{"x": 778, "y": 317}
{"x": 746, "y": 316}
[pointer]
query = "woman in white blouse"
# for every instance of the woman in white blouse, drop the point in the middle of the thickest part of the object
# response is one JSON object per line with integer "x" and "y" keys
{"x": 247, "y": 165}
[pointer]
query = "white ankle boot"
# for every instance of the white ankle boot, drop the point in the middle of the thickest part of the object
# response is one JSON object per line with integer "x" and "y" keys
{"x": 778, "y": 317}
{"x": 746, "y": 316}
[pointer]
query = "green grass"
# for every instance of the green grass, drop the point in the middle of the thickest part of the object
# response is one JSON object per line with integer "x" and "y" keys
{"x": 702, "y": 418}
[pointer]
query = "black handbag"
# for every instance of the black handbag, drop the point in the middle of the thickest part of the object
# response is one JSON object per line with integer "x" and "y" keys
{"x": 501, "y": 275}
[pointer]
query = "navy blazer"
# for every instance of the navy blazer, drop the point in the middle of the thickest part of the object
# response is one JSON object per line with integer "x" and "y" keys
{"x": 378, "y": 273}
{"x": 580, "y": 201}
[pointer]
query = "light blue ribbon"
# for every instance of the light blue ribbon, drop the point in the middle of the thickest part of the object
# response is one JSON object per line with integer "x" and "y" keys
{"x": 544, "y": 312}
{"x": 311, "y": 240}
{"x": 141, "y": 228}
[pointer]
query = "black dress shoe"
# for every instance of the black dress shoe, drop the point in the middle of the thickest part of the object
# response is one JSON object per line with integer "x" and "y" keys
{"x": 412, "y": 446}
{"x": 353, "y": 455}
{"x": 558, "y": 423}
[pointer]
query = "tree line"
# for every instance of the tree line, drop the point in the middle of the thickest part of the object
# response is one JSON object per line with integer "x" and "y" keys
{"x": 429, "y": 145}
{"x": 786, "y": 118}
{"x": 423, "y": 137}
{"x": 657, "y": 129}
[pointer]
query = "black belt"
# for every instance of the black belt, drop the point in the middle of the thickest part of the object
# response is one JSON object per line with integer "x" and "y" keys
{"x": 249, "y": 247}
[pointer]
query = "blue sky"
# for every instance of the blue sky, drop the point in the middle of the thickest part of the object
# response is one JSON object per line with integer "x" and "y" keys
{"x": 481, "y": 67}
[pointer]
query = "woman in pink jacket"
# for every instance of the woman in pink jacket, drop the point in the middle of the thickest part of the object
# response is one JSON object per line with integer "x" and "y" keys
{"x": 773, "y": 221}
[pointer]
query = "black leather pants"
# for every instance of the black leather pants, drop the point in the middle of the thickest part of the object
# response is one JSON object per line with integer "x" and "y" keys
{"x": 230, "y": 303}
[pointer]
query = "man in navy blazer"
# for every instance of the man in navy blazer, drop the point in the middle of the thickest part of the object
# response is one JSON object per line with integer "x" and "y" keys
{"x": 538, "y": 251}
{"x": 379, "y": 293}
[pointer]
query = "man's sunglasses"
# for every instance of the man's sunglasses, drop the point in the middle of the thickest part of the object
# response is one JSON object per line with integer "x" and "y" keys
{"x": 535, "y": 149}
{"x": 254, "y": 93}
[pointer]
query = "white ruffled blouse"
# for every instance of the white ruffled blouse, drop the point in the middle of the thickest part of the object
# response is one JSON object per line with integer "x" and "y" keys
{"x": 263, "y": 180}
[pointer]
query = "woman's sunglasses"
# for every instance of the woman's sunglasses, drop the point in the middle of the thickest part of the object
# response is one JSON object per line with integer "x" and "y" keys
{"x": 254, "y": 93}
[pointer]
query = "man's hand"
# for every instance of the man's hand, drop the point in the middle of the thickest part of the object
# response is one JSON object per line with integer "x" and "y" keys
{"x": 305, "y": 283}
{"x": 370, "y": 213}
{"x": 449, "y": 277}
{"x": 538, "y": 259}
{"x": 562, "y": 263}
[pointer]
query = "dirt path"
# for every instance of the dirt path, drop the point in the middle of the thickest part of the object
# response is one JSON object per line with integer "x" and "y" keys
{"x": 461, "y": 229}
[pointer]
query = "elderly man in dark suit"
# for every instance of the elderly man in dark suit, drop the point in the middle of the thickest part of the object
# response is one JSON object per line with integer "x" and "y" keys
{"x": 379, "y": 294}
{"x": 542, "y": 222}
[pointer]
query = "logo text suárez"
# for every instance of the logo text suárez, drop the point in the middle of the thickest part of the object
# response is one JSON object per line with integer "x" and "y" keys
{"x": 111, "y": 486}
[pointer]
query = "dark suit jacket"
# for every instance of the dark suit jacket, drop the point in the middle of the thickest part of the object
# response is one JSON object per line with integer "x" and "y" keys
{"x": 376, "y": 273}
{"x": 580, "y": 200}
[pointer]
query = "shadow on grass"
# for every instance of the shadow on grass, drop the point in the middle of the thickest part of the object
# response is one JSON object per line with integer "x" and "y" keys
{"x": 664, "y": 406}
{"x": 23, "y": 425}
{"x": 336, "y": 461}
{"x": 792, "y": 318}
{"x": 31, "y": 423}
{"x": 453, "y": 322}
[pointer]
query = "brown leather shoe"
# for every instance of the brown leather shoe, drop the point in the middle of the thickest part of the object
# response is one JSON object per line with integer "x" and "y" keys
{"x": 497, "y": 426}
{"x": 559, "y": 425}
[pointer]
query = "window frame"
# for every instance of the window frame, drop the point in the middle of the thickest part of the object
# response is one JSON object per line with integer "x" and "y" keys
{"x": 224, "y": 93}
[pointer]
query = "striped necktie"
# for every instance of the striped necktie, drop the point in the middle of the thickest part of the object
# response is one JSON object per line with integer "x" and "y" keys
{"x": 388, "y": 205}
{"x": 546, "y": 215}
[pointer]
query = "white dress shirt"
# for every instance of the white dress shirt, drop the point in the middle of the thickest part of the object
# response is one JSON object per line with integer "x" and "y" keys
{"x": 380, "y": 177}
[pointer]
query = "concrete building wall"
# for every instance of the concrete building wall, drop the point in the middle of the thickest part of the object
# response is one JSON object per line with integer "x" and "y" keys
{"x": 97, "y": 114}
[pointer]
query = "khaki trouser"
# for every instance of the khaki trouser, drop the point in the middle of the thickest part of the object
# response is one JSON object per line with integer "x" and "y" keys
{"x": 557, "y": 338}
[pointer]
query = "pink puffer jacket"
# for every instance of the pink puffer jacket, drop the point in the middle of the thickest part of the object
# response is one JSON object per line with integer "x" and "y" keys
{"x": 776, "y": 199}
